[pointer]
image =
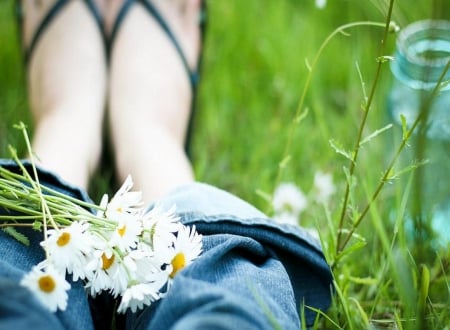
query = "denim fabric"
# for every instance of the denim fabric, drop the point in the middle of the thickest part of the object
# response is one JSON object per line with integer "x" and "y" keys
{"x": 18, "y": 308}
{"x": 253, "y": 273}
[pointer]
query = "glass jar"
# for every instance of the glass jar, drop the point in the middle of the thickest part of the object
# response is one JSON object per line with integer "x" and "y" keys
{"x": 420, "y": 59}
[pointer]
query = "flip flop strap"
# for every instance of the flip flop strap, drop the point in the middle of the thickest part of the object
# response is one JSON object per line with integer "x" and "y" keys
{"x": 118, "y": 22}
{"x": 193, "y": 75}
{"x": 51, "y": 14}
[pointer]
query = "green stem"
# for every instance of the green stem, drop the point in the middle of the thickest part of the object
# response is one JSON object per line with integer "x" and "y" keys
{"x": 300, "y": 106}
{"x": 36, "y": 185}
{"x": 385, "y": 178}
{"x": 19, "y": 183}
{"x": 4, "y": 225}
{"x": 361, "y": 128}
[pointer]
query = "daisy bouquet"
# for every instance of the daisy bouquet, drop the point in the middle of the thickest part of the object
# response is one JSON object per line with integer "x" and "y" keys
{"x": 117, "y": 246}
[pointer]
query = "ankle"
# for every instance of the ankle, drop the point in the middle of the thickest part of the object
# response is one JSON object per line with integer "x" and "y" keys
{"x": 58, "y": 146}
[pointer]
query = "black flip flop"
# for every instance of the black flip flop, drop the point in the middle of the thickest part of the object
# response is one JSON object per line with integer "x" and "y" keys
{"x": 193, "y": 75}
{"x": 48, "y": 18}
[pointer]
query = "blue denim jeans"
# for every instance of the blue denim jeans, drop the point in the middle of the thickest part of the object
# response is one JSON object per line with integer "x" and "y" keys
{"x": 253, "y": 273}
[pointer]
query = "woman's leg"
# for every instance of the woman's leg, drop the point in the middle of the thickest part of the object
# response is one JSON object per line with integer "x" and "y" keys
{"x": 66, "y": 81}
{"x": 67, "y": 87}
{"x": 150, "y": 95}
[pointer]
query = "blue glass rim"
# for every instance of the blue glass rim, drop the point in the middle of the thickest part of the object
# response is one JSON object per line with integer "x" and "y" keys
{"x": 422, "y": 52}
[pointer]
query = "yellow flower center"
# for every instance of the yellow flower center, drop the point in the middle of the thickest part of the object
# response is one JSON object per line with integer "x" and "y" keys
{"x": 47, "y": 283}
{"x": 107, "y": 262}
{"x": 178, "y": 263}
{"x": 63, "y": 239}
{"x": 122, "y": 231}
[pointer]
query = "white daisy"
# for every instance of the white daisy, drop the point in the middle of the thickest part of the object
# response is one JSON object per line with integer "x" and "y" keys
{"x": 101, "y": 262}
{"x": 48, "y": 285}
{"x": 69, "y": 247}
{"x": 289, "y": 198}
{"x": 120, "y": 276}
{"x": 160, "y": 225}
{"x": 186, "y": 247}
{"x": 124, "y": 201}
{"x": 144, "y": 267}
{"x": 137, "y": 296}
{"x": 126, "y": 234}
{"x": 103, "y": 205}
{"x": 323, "y": 182}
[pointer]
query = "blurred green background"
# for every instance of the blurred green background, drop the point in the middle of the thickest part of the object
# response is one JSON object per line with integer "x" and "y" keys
{"x": 252, "y": 78}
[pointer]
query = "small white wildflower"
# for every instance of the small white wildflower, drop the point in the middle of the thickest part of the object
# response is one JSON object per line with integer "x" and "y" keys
{"x": 393, "y": 27}
{"x": 289, "y": 198}
{"x": 323, "y": 182}
{"x": 313, "y": 232}
{"x": 287, "y": 218}
{"x": 320, "y": 4}
{"x": 48, "y": 285}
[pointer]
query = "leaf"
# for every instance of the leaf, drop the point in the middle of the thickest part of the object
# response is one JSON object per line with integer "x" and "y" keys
{"x": 398, "y": 321}
{"x": 345, "y": 34}
{"x": 363, "y": 84}
{"x": 444, "y": 84}
{"x": 353, "y": 207}
{"x": 308, "y": 65}
{"x": 394, "y": 175}
{"x": 363, "y": 280}
{"x": 18, "y": 236}
{"x": 351, "y": 249}
{"x": 424, "y": 286}
{"x": 340, "y": 150}
{"x": 354, "y": 235}
{"x": 350, "y": 179}
{"x": 384, "y": 59}
{"x": 301, "y": 116}
{"x": 375, "y": 134}
{"x": 391, "y": 175}
{"x": 285, "y": 161}
{"x": 37, "y": 225}
{"x": 264, "y": 195}
{"x": 12, "y": 151}
{"x": 362, "y": 313}
{"x": 321, "y": 313}
{"x": 343, "y": 300}
{"x": 404, "y": 127}
{"x": 20, "y": 126}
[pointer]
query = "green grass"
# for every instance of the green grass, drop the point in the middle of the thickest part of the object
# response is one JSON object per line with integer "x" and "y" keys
{"x": 253, "y": 76}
